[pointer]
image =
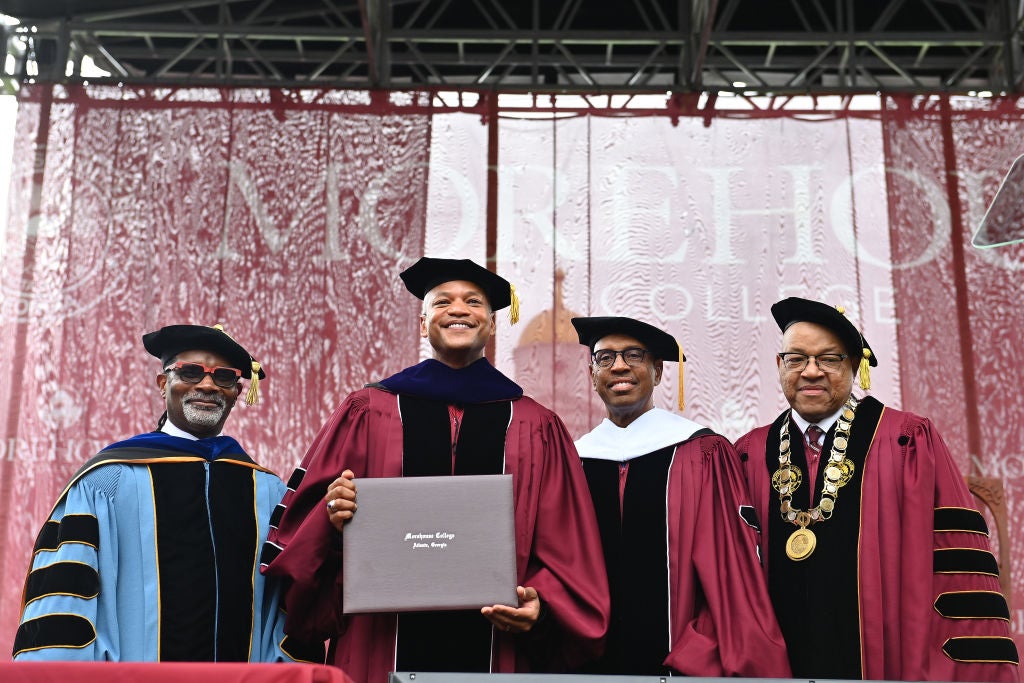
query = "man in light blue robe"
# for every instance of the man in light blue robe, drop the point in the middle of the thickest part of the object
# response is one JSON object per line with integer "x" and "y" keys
{"x": 151, "y": 551}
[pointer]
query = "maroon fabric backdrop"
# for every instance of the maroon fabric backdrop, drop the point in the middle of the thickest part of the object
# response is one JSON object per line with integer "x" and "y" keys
{"x": 286, "y": 215}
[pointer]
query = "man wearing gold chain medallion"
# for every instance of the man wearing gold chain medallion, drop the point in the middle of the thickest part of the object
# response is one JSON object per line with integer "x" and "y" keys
{"x": 878, "y": 562}
{"x": 678, "y": 531}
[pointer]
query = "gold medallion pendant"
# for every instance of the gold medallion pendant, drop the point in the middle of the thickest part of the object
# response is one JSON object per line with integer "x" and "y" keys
{"x": 839, "y": 470}
{"x": 801, "y": 544}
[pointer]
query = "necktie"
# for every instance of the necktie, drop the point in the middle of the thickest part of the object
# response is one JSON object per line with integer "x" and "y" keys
{"x": 811, "y": 437}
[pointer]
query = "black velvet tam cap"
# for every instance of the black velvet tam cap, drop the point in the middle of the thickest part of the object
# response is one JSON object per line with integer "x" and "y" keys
{"x": 168, "y": 342}
{"x": 796, "y": 310}
{"x": 661, "y": 344}
{"x": 427, "y": 273}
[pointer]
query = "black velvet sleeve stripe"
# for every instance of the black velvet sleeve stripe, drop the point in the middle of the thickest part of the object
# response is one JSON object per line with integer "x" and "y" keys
{"x": 275, "y": 516}
{"x": 981, "y": 649}
{"x": 269, "y": 553}
{"x": 964, "y": 561}
{"x": 972, "y": 605}
{"x": 297, "y": 476}
{"x": 80, "y": 529}
{"x": 71, "y": 529}
{"x": 54, "y": 630}
{"x": 49, "y": 535}
{"x": 300, "y": 651}
{"x": 62, "y": 578}
{"x": 960, "y": 519}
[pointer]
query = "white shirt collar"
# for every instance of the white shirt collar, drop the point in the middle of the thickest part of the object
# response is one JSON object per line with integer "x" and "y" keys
{"x": 172, "y": 429}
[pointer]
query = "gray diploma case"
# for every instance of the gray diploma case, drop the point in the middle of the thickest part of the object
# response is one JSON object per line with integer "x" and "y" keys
{"x": 430, "y": 543}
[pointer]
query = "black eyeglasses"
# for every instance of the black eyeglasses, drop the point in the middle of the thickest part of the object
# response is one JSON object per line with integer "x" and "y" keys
{"x": 193, "y": 373}
{"x": 827, "y": 362}
{"x": 605, "y": 358}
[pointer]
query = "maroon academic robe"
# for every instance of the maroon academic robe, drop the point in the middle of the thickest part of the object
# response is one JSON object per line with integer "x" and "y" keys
{"x": 558, "y": 549}
{"x": 722, "y": 623}
{"x": 911, "y": 555}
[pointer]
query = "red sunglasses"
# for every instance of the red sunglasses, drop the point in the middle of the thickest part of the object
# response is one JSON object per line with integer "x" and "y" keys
{"x": 193, "y": 373}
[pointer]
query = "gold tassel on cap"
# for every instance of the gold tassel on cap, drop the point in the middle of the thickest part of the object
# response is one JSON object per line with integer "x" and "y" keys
{"x": 253, "y": 395}
{"x": 682, "y": 396}
{"x": 513, "y": 311}
{"x": 865, "y": 369}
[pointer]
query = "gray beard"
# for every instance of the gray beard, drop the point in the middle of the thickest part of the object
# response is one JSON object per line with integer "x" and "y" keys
{"x": 204, "y": 418}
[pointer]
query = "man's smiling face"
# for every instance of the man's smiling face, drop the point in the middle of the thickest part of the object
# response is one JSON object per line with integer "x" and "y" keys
{"x": 627, "y": 390}
{"x": 457, "y": 321}
{"x": 812, "y": 392}
{"x": 199, "y": 409}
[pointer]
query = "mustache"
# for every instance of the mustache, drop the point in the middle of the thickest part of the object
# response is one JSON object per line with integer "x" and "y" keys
{"x": 196, "y": 395}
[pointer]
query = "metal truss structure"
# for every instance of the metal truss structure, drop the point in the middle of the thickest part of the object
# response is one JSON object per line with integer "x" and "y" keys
{"x": 754, "y": 47}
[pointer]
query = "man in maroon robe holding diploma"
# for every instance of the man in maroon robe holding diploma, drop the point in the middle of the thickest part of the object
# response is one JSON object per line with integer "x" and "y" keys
{"x": 453, "y": 414}
{"x": 878, "y": 562}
